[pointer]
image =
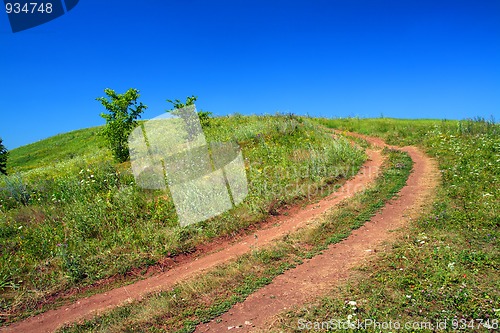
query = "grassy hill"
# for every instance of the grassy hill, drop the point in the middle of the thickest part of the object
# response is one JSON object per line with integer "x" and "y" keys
{"x": 85, "y": 220}
{"x": 57, "y": 149}
{"x": 444, "y": 270}
{"x": 71, "y": 216}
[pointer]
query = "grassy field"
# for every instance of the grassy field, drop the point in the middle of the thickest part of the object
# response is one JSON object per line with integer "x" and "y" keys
{"x": 61, "y": 228}
{"x": 446, "y": 270}
{"x": 68, "y": 220}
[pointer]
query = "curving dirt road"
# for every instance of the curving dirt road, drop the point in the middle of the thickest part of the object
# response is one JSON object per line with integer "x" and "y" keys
{"x": 279, "y": 226}
{"x": 322, "y": 273}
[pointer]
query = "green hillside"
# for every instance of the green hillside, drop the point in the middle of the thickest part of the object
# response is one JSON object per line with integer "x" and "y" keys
{"x": 57, "y": 149}
{"x": 71, "y": 216}
{"x": 70, "y": 221}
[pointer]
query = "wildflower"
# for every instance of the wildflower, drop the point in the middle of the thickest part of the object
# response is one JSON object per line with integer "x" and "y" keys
{"x": 352, "y": 303}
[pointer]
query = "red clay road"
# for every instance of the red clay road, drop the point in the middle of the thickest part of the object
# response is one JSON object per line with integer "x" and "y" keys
{"x": 322, "y": 273}
{"x": 297, "y": 217}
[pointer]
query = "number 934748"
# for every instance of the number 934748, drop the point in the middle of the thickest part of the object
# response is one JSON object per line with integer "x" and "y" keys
{"x": 28, "y": 8}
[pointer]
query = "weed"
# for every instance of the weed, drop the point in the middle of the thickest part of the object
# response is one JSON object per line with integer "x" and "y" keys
{"x": 14, "y": 193}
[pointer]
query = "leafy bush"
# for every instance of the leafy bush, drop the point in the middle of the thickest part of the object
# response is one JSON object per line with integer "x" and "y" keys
{"x": 204, "y": 116}
{"x": 121, "y": 119}
{"x": 3, "y": 158}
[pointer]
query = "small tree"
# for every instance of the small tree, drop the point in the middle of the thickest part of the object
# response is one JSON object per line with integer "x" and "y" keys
{"x": 179, "y": 105}
{"x": 3, "y": 158}
{"x": 203, "y": 115}
{"x": 123, "y": 111}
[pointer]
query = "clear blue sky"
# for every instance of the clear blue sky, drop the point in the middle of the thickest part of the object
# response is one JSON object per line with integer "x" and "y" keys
{"x": 400, "y": 58}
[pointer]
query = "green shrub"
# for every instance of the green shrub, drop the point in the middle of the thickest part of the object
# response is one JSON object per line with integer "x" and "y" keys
{"x": 121, "y": 119}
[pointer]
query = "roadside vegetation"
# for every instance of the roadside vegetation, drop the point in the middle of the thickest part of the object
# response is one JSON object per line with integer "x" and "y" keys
{"x": 446, "y": 269}
{"x": 71, "y": 217}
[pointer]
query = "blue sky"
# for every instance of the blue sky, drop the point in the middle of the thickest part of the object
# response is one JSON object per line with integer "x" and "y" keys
{"x": 366, "y": 58}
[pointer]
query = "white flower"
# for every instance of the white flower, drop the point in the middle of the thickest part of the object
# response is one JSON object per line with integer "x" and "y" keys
{"x": 451, "y": 266}
{"x": 352, "y": 303}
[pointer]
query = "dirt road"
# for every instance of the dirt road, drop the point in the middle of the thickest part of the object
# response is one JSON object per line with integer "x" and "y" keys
{"x": 279, "y": 226}
{"x": 322, "y": 273}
